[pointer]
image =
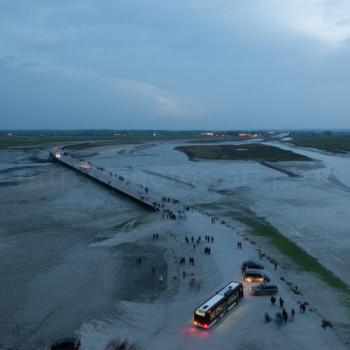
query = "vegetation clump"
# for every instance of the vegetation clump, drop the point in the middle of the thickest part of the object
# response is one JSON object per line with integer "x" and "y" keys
{"x": 307, "y": 262}
{"x": 256, "y": 151}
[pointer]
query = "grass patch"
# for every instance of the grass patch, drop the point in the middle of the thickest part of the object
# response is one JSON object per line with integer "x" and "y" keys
{"x": 308, "y": 263}
{"x": 331, "y": 143}
{"x": 255, "y": 151}
{"x": 54, "y": 137}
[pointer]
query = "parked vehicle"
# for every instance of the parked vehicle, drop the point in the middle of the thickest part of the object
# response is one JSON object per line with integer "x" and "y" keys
{"x": 255, "y": 276}
{"x": 216, "y": 307}
{"x": 264, "y": 289}
{"x": 66, "y": 344}
{"x": 252, "y": 265}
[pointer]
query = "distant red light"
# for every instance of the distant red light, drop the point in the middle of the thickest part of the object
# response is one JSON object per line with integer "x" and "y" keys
{"x": 209, "y": 312}
{"x": 205, "y": 325}
{"x": 86, "y": 166}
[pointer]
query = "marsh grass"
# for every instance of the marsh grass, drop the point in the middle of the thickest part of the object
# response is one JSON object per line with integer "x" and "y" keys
{"x": 256, "y": 151}
{"x": 332, "y": 143}
{"x": 308, "y": 263}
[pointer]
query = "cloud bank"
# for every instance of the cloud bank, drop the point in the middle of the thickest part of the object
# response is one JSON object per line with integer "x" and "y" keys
{"x": 183, "y": 65}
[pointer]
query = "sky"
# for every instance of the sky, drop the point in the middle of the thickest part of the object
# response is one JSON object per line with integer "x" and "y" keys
{"x": 176, "y": 65}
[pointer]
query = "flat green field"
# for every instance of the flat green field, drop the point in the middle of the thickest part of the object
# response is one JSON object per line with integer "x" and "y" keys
{"x": 256, "y": 151}
{"x": 67, "y": 137}
{"x": 332, "y": 143}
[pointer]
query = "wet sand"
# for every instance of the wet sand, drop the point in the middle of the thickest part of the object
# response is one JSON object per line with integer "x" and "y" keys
{"x": 51, "y": 281}
{"x": 68, "y": 267}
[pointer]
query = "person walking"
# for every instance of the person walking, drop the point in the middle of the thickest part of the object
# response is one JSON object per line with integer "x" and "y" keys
{"x": 281, "y": 302}
{"x": 273, "y": 300}
{"x": 292, "y": 312}
{"x": 285, "y": 315}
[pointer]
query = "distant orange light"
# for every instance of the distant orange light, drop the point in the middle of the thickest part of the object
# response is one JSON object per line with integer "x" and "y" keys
{"x": 86, "y": 166}
{"x": 195, "y": 322}
{"x": 205, "y": 326}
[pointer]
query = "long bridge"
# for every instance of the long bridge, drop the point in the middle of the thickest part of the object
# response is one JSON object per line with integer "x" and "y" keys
{"x": 170, "y": 207}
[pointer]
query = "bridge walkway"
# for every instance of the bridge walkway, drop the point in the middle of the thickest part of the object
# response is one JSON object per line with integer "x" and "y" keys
{"x": 168, "y": 206}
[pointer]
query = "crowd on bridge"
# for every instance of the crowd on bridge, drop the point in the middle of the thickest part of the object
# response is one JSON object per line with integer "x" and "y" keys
{"x": 175, "y": 211}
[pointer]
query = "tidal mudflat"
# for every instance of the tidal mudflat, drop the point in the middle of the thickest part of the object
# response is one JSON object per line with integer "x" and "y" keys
{"x": 69, "y": 249}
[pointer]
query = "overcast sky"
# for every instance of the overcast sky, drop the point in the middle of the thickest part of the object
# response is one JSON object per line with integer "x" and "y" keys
{"x": 183, "y": 64}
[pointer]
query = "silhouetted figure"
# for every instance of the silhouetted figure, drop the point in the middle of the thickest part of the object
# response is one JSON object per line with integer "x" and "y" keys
{"x": 267, "y": 318}
{"x": 285, "y": 315}
{"x": 291, "y": 318}
{"x": 281, "y": 303}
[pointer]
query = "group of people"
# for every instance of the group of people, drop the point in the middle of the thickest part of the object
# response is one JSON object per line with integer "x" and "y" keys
{"x": 199, "y": 240}
{"x": 167, "y": 213}
{"x": 155, "y": 236}
{"x": 209, "y": 239}
{"x": 283, "y": 315}
{"x": 182, "y": 260}
{"x": 207, "y": 250}
{"x": 170, "y": 200}
{"x": 239, "y": 245}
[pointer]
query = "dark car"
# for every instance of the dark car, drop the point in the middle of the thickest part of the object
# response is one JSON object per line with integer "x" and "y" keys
{"x": 252, "y": 265}
{"x": 66, "y": 343}
{"x": 264, "y": 289}
{"x": 255, "y": 276}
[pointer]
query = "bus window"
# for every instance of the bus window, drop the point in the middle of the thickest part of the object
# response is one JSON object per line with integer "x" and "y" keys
{"x": 218, "y": 309}
{"x": 232, "y": 299}
{"x": 200, "y": 312}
